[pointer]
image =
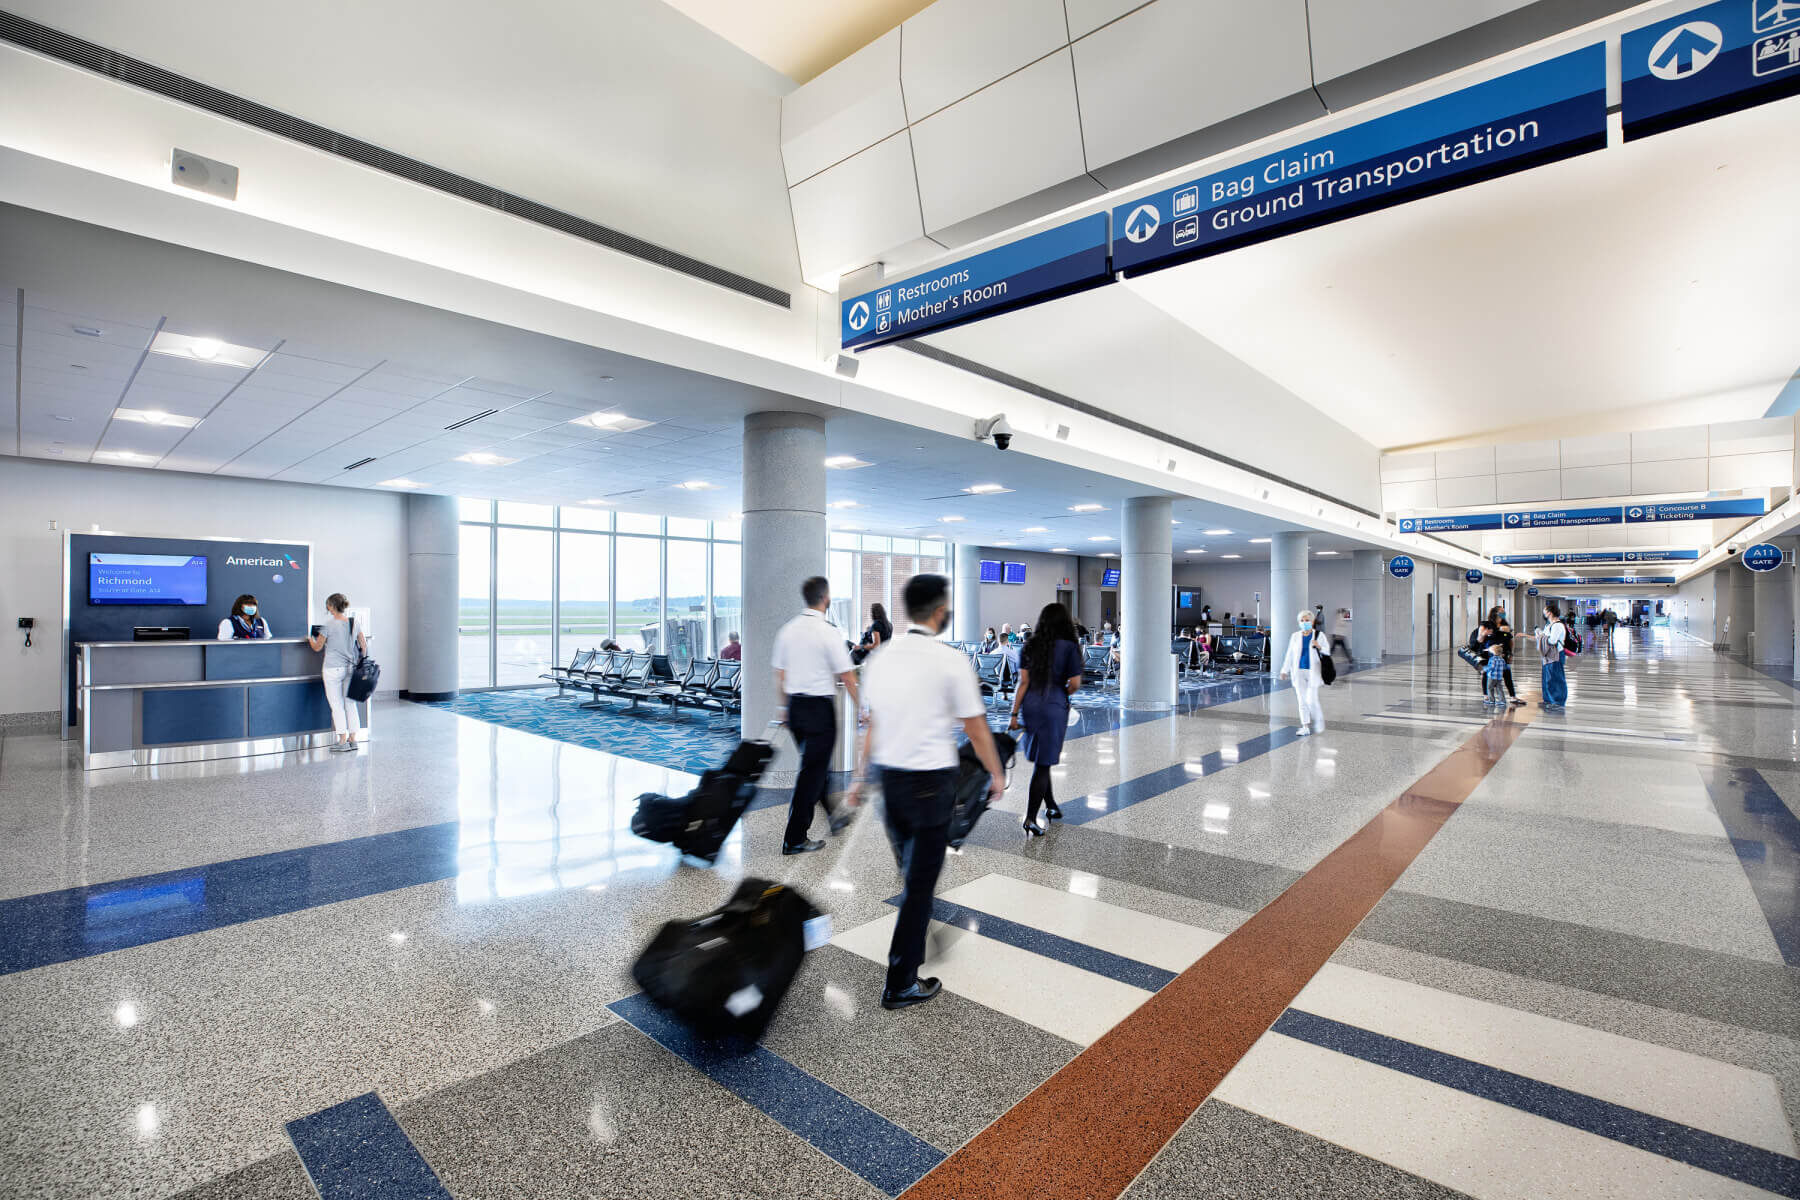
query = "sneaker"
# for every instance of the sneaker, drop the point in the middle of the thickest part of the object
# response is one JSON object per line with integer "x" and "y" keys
{"x": 1304, "y": 732}
{"x": 341, "y": 747}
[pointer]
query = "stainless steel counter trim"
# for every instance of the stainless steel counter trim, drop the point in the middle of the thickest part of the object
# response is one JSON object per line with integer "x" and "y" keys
{"x": 196, "y": 683}
{"x": 204, "y": 642}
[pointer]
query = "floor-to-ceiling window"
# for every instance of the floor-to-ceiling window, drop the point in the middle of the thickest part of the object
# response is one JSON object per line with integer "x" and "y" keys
{"x": 686, "y": 600}
{"x": 475, "y": 581}
{"x": 637, "y": 590}
{"x": 728, "y": 591}
{"x": 523, "y": 570}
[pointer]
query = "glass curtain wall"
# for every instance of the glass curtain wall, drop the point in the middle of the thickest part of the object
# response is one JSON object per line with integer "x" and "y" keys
{"x": 539, "y": 583}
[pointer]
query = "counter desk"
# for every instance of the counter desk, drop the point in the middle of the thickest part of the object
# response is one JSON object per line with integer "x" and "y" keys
{"x": 144, "y": 703}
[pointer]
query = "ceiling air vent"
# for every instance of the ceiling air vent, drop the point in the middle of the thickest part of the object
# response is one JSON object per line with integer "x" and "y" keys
{"x": 471, "y": 420}
{"x": 361, "y": 462}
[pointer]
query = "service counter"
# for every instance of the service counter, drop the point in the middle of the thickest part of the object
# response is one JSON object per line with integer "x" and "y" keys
{"x": 144, "y": 703}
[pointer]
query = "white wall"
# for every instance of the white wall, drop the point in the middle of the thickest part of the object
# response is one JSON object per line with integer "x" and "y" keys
{"x": 358, "y": 540}
{"x": 1020, "y": 603}
{"x": 1232, "y": 587}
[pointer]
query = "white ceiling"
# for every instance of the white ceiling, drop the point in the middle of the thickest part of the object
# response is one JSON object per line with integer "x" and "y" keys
{"x": 799, "y": 38}
{"x": 350, "y": 374}
{"x": 1660, "y": 270}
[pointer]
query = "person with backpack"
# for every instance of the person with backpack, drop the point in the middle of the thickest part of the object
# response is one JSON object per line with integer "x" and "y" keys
{"x": 1554, "y": 639}
{"x": 1305, "y": 646}
{"x": 344, "y": 646}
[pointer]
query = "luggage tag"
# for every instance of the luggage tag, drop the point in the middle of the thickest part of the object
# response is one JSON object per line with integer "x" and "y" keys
{"x": 746, "y": 999}
{"x": 817, "y": 931}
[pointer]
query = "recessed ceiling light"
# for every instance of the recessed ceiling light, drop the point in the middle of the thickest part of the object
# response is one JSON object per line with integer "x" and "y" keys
{"x": 697, "y": 485}
{"x": 122, "y": 455}
{"x": 155, "y": 416}
{"x": 85, "y": 330}
{"x": 846, "y": 504}
{"x": 845, "y": 462}
{"x": 1060, "y": 550}
{"x": 612, "y": 422}
{"x": 1108, "y": 554}
{"x": 400, "y": 483}
{"x": 1231, "y": 556}
{"x": 1217, "y": 532}
{"x": 1326, "y": 553}
{"x": 1003, "y": 543}
{"x": 1196, "y": 552}
{"x": 1087, "y": 508}
{"x": 207, "y": 349}
{"x": 1105, "y": 537}
{"x": 1037, "y": 529}
{"x": 1259, "y": 541}
{"x": 1172, "y": 521}
{"x": 987, "y": 489}
{"x": 598, "y": 503}
{"x": 482, "y": 458}
{"x": 950, "y": 520}
{"x": 934, "y": 537}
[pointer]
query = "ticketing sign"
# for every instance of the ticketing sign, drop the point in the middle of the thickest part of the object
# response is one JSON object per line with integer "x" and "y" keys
{"x": 1706, "y": 62}
{"x": 1694, "y": 510}
{"x": 1053, "y": 263}
{"x": 1575, "y": 581}
{"x": 1595, "y": 556}
{"x": 1551, "y": 110}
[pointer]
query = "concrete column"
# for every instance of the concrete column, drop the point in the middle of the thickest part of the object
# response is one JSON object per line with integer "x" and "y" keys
{"x": 1772, "y": 594}
{"x": 1368, "y": 610}
{"x": 784, "y": 542}
{"x": 965, "y": 613}
{"x": 1743, "y": 607}
{"x": 432, "y": 648}
{"x": 1287, "y": 591}
{"x": 1147, "y": 573}
{"x": 1723, "y": 579}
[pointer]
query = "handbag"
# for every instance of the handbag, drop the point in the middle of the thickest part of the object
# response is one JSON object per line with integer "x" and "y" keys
{"x": 364, "y": 675}
{"x": 1327, "y": 668}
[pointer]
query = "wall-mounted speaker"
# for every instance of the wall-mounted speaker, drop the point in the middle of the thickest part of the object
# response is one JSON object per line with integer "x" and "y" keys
{"x": 203, "y": 174}
{"x": 846, "y": 366}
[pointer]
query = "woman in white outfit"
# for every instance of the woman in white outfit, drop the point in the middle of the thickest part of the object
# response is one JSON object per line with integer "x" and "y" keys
{"x": 1305, "y": 647}
{"x": 343, "y": 649}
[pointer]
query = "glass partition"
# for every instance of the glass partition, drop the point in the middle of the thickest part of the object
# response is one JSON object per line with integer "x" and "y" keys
{"x": 474, "y": 623}
{"x": 522, "y": 642}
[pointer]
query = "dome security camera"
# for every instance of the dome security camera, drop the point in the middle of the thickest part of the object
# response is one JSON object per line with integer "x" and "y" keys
{"x": 995, "y": 429}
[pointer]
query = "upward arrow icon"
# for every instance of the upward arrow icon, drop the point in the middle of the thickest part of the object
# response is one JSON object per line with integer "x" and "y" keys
{"x": 1688, "y": 51}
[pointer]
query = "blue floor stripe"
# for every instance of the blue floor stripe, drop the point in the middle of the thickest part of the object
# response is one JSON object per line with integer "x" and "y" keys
{"x": 1079, "y": 810}
{"x": 852, "y": 1134}
{"x": 1766, "y": 835}
{"x": 53, "y": 927}
{"x": 1050, "y": 945}
{"x": 357, "y": 1151}
{"x": 1683, "y": 1143}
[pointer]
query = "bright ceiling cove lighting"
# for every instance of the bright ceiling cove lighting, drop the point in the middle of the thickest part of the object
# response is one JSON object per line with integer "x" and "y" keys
{"x": 845, "y": 462}
{"x": 1218, "y": 532}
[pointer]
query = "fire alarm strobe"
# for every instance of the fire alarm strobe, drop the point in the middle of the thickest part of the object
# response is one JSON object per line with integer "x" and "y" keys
{"x": 207, "y": 175}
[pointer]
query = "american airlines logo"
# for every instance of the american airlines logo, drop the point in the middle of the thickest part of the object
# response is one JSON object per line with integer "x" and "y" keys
{"x": 286, "y": 560}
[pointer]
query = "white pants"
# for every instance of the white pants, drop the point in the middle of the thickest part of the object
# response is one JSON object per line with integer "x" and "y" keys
{"x": 1307, "y": 693}
{"x": 343, "y": 709}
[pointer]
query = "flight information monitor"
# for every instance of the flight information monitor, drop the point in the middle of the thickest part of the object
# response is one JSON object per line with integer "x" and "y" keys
{"x": 1110, "y": 578}
{"x": 990, "y": 570}
{"x": 1015, "y": 573}
{"x": 147, "y": 579}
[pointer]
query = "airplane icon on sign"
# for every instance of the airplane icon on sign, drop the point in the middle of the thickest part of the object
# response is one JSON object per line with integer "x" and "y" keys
{"x": 1772, "y": 14}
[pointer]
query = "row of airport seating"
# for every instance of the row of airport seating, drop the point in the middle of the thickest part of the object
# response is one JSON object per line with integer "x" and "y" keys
{"x": 706, "y": 684}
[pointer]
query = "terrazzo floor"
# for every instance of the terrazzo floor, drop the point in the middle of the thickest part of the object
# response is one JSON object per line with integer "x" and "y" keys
{"x": 276, "y": 977}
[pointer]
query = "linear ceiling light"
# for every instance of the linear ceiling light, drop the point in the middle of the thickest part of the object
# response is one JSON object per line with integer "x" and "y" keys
{"x": 1087, "y": 508}
{"x": 846, "y": 462}
{"x": 400, "y": 483}
{"x": 155, "y": 416}
{"x": 482, "y": 458}
{"x": 987, "y": 489}
{"x": 612, "y": 422}
{"x": 205, "y": 349}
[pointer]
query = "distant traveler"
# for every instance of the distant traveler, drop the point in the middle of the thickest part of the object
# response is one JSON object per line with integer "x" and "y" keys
{"x": 343, "y": 649}
{"x": 810, "y": 660}
{"x": 1049, "y": 673}
{"x": 880, "y": 630}
{"x": 1501, "y": 641}
{"x": 1302, "y": 662}
{"x": 1340, "y": 632}
{"x": 243, "y": 622}
{"x": 1494, "y": 678}
{"x": 919, "y": 690}
{"x": 1551, "y": 637}
{"x": 733, "y": 649}
{"x": 1206, "y": 614}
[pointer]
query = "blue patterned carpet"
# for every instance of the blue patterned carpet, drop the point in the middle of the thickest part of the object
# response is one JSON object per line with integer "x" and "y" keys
{"x": 691, "y": 741}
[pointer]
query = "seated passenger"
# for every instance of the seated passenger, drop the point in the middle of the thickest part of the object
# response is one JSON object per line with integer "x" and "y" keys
{"x": 732, "y": 650}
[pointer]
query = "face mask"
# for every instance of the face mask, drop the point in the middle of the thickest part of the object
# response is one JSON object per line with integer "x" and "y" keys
{"x": 1306, "y": 624}
{"x": 249, "y": 610}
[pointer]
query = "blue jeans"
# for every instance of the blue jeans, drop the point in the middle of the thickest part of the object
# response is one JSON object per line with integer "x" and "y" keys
{"x": 1556, "y": 684}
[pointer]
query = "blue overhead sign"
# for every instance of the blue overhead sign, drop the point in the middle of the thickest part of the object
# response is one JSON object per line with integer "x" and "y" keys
{"x": 1055, "y": 262}
{"x": 1511, "y": 584}
{"x": 1531, "y": 591}
{"x": 1764, "y": 556}
{"x": 1708, "y": 61}
{"x": 1560, "y": 518}
{"x": 1472, "y": 575}
{"x": 1694, "y": 510}
{"x": 1577, "y": 581}
{"x": 1400, "y": 566}
{"x": 1553, "y": 110}
{"x": 1595, "y": 556}
{"x": 1451, "y": 523}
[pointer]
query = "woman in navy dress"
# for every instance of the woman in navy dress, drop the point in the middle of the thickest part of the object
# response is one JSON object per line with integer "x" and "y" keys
{"x": 1049, "y": 673}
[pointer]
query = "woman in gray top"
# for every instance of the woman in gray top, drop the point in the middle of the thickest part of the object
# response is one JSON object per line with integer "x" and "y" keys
{"x": 344, "y": 647}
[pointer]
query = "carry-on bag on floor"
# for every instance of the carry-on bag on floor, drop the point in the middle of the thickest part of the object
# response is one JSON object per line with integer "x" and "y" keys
{"x": 699, "y": 822}
{"x": 972, "y": 781}
{"x": 724, "y": 974}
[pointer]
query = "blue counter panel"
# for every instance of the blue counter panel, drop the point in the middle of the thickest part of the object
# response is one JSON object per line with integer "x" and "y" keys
{"x": 193, "y": 715}
{"x": 242, "y": 660}
{"x": 279, "y": 709}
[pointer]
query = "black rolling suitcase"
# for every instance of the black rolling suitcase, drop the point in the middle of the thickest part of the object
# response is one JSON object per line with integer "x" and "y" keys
{"x": 699, "y": 822}
{"x": 724, "y": 974}
{"x": 972, "y": 781}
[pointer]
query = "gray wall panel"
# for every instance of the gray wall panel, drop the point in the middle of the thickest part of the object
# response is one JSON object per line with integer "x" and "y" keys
{"x": 847, "y": 109}
{"x": 957, "y": 47}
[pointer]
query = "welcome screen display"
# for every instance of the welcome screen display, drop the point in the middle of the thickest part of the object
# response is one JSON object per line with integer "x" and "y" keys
{"x": 146, "y": 579}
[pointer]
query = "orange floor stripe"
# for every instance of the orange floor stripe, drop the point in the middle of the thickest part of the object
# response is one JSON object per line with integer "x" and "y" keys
{"x": 1088, "y": 1130}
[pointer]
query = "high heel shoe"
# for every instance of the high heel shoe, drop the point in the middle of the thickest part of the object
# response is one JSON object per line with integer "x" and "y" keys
{"x": 1033, "y": 829}
{"x": 1052, "y": 812}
